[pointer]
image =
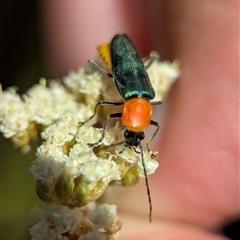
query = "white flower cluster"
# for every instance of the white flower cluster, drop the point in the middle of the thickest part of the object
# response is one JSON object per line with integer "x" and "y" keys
{"x": 40, "y": 107}
{"x": 67, "y": 170}
{"x": 69, "y": 173}
{"x": 59, "y": 222}
{"x": 87, "y": 87}
{"x": 13, "y": 118}
{"x": 162, "y": 76}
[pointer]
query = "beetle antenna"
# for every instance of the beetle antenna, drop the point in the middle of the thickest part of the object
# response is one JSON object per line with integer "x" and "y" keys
{"x": 146, "y": 181}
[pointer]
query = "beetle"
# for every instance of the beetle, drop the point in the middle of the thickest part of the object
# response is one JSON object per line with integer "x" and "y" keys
{"x": 133, "y": 84}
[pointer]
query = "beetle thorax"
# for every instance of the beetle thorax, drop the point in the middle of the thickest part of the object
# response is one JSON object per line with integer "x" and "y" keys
{"x": 137, "y": 114}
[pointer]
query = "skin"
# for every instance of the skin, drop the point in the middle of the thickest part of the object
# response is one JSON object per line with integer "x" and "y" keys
{"x": 196, "y": 188}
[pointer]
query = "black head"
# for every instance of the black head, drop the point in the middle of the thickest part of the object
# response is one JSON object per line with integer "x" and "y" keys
{"x": 132, "y": 139}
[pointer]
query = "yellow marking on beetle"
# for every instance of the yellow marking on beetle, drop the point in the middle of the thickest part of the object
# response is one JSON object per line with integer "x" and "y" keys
{"x": 105, "y": 52}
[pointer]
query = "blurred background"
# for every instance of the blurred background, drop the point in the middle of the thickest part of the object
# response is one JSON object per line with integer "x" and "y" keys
{"x": 24, "y": 59}
{"x": 21, "y": 56}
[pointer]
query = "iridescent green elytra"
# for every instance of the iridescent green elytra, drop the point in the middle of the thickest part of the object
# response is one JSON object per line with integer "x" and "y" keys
{"x": 129, "y": 73}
